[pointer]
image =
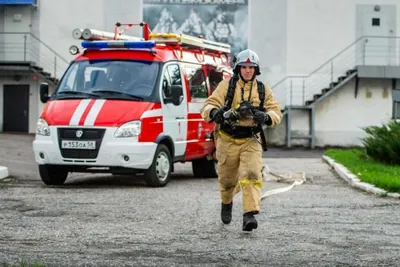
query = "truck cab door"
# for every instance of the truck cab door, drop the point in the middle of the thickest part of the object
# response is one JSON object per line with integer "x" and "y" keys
{"x": 174, "y": 106}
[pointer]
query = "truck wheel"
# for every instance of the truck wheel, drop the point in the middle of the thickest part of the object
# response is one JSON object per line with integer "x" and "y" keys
{"x": 204, "y": 168}
{"x": 53, "y": 175}
{"x": 159, "y": 173}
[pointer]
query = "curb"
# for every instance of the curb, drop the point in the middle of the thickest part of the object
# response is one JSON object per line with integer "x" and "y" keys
{"x": 3, "y": 172}
{"x": 354, "y": 181}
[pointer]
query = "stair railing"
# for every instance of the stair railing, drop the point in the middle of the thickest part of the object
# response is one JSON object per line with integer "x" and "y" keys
{"x": 26, "y": 47}
{"x": 366, "y": 50}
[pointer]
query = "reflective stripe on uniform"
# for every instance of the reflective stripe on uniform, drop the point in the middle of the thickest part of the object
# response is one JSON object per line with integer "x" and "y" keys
{"x": 244, "y": 182}
{"x": 276, "y": 116}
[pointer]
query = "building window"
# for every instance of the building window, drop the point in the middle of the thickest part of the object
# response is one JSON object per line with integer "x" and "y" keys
{"x": 376, "y": 21}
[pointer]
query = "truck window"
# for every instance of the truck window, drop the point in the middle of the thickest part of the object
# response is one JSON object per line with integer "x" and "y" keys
{"x": 197, "y": 82}
{"x": 171, "y": 76}
{"x": 71, "y": 77}
{"x": 175, "y": 74}
{"x": 94, "y": 75}
{"x": 166, "y": 85}
{"x": 125, "y": 76}
{"x": 214, "y": 78}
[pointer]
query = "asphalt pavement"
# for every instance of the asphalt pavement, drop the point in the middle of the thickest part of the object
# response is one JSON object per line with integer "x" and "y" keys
{"x": 103, "y": 220}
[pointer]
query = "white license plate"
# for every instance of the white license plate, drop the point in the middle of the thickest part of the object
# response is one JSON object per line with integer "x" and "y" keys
{"x": 78, "y": 144}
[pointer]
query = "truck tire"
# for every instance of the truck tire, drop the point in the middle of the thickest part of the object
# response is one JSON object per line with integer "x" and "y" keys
{"x": 159, "y": 173}
{"x": 53, "y": 175}
{"x": 204, "y": 168}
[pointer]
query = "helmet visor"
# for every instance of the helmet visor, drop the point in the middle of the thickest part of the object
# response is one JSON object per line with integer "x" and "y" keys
{"x": 248, "y": 64}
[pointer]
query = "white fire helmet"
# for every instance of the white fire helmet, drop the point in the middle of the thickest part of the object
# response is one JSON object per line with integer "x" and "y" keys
{"x": 247, "y": 58}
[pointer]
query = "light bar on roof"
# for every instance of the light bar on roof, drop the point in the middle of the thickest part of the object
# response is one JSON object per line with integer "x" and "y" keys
{"x": 118, "y": 44}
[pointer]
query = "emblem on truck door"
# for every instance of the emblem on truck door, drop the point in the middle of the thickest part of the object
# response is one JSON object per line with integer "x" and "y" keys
{"x": 79, "y": 133}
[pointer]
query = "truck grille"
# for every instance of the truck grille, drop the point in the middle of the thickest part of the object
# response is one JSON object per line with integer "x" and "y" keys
{"x": 87, "y": 135}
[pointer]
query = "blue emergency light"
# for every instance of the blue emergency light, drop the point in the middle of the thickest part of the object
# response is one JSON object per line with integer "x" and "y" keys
{"x": 118, "y": 44}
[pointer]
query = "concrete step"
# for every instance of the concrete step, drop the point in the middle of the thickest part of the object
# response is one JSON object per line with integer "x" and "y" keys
{"x": 3, "y": 172}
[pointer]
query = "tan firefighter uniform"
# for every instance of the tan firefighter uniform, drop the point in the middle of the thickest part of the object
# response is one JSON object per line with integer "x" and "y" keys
{"x": 240, "y": 160}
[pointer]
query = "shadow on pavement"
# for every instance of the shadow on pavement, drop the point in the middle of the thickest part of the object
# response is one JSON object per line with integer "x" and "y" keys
{"x": 112, "y": 181}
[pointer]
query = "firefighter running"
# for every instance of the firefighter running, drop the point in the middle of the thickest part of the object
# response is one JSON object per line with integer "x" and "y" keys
{"x": 239, "y": 116}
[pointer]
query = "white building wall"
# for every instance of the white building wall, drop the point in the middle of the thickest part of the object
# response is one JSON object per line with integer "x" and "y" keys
{"x": 340, "y": 117}
{"x": 292, "y": 37}
{"x": 267, "y": 36}
{"x": 318, "y": 30}
{"x": 57, "y": 19}
{"x": 300, "y": 126}
{"x": 269, "y": 42}
{"x": 277, "y": 136}
{"x": 15, "y": 21}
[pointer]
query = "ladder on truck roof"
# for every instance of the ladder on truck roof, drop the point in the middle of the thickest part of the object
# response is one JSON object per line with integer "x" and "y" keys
{"x": 117, "y": 37}
{"x": 189, "y": 41}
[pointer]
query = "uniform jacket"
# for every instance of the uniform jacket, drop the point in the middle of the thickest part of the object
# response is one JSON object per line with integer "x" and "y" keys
{"x": 217, "y": 100}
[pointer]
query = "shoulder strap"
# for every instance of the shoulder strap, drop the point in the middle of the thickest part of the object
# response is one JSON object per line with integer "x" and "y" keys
{"x": 261, "y": 94}
{"x": 231, "y": 92}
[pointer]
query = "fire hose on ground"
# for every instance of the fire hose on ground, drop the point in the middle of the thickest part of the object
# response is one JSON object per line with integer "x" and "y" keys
{"x": 295, "y": 178}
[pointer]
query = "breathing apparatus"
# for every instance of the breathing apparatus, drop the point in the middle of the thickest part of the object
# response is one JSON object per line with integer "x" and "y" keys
{"x": 244, "y": 110}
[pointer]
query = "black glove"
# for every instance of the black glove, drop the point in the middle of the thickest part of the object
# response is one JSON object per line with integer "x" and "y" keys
{"x": 268, "y": 120}
{"x": 261, "y": 117}
{"x": 217, "y": 115}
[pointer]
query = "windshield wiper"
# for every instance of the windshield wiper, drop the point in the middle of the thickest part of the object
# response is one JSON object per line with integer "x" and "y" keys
{"x": 118, "y": 93}
{"x": 77, "y": 93}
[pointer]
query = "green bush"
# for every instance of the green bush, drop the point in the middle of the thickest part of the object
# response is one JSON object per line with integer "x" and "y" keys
{"x": 383, "y": 142}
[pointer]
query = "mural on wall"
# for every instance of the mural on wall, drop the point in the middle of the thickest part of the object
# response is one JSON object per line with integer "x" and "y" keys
{"x": 217, "y": 20}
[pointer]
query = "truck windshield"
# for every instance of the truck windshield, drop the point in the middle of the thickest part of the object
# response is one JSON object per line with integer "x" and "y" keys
{"x": 109, "y": 79}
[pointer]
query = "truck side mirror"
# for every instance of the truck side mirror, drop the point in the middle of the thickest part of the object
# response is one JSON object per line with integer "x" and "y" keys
{"x": 44, "y": 92}
{"x": 177, "y": 94}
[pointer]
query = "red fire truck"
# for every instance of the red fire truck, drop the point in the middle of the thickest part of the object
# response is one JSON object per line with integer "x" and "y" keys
{"x": 128, "y": 105}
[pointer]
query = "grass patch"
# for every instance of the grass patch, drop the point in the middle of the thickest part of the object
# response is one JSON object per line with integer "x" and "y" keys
{"x": 381, "y": 175}
{"x": 25, "y": 263}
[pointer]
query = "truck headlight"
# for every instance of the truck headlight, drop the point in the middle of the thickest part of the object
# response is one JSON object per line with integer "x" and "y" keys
{"x": 42, "y": 128}
{"x": 129, "y": 129}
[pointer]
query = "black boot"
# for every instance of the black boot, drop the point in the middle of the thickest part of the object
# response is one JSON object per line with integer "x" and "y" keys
{"x": 249, "y": 222}
{"x": 226, "y": 213}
